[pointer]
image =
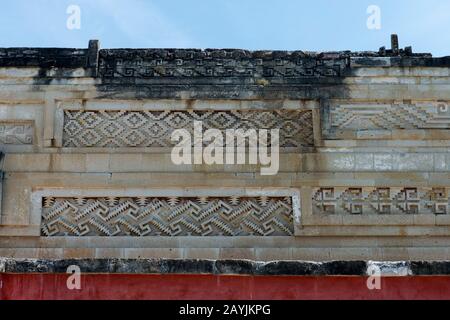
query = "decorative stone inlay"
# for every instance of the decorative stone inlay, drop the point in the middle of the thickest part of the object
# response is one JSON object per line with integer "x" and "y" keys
{"x": 154, "y": 128}
{"x": 192, "y": 63}
{"x": 167, "y": 216}
{"x": 382, "y": 200}
{"x": 16, "y": 133}
{"x": 370, "y": 116}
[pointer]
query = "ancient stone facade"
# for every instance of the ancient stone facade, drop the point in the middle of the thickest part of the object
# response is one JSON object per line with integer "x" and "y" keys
{"x": 85, "y": 136}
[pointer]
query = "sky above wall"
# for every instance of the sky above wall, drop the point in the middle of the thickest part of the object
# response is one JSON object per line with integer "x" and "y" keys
{"x": 319, "y": 25}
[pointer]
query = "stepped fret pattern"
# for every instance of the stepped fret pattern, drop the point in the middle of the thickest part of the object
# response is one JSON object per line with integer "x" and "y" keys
{"x": 423, "y": 115}
{"x": 383, "y": 200}
{"x": 16, "y": 133}
{"x": 186, "y": 63}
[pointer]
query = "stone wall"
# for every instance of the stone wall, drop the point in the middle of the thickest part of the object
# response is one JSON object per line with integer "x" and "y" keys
{"x": 87, "y": 173}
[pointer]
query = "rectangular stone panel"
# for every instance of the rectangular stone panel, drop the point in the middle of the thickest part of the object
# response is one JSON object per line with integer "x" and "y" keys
{"x": 377, "y": 120}
{"x": 124, "y": 128}
{"x": 16, "y": 133}
{"x": 168, "y": 216}
{"x": 380, "y": 200}
{"x": 213, "y": 63}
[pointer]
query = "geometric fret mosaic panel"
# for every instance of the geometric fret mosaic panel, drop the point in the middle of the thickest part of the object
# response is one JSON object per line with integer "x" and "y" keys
{"x": 211, "y": 63}
{"x": 418, "y": 115}
{"x": 154, "y": 128}
{"x": 167, "y": 216}
{"x": 383, "y": 200}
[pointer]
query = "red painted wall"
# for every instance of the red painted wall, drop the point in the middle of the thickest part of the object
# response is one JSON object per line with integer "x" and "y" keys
{"x": 122, "y": 286}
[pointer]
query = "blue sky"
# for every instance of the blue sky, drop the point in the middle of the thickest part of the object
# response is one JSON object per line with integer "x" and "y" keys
{"x": 318, "y": 25}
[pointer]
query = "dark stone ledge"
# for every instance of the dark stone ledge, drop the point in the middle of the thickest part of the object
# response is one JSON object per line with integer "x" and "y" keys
{"x": 224, "y": 267}
{"x": 228, "y": 65}
{"x": 43, "y": 57}
{"x": 249, "y": 92}
{"x": 404, "y": 62}
{"x": 430, "y": 267}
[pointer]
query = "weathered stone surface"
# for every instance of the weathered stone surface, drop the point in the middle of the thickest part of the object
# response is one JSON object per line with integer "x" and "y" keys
{"x": 430, "y": 267}
{"x": 115, "y": 129}
{"x": 227, "y": 267}
{"x": 180, "y": 266}
{"x": 368, "y": 200}
{"x": 42, "y": 57}
{"x": 369, "y": 128}
{"x": 16, "y": 133}
{"x": 175, "y": 216}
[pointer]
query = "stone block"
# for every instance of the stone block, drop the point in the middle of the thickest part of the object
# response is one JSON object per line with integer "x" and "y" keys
{"x": 382, "y": 162}
{"x": 271, "y": 254}
{"x": 153, "y": 253}
{"x": 97, "y": 162}
{"x": 237, "y": 253}
{"x": 201, "y": 253}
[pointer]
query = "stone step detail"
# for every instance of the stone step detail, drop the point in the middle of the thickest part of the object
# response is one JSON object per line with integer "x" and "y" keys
{"x": 371, "y": 116}
{"x": 16, "y": 133}
{"x": 167, "y": 216}
{"x": 382, "y": 200}
{"x": 113, "y": 129}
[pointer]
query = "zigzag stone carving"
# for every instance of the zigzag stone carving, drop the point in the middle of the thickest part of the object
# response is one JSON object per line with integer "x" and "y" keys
{"x": 383, "y": 200}
{"x": 174, "y": 216}
{"x": 16, "y": 133}
{"x": 420, "y": 115}
{"x": 154, "y": 128}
